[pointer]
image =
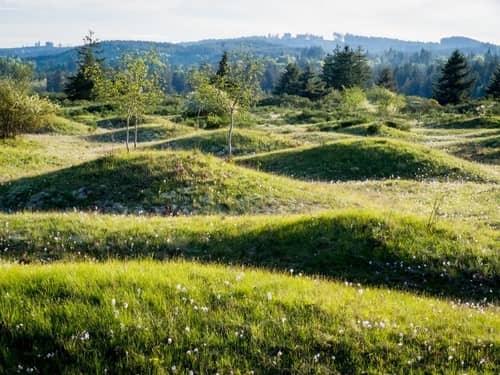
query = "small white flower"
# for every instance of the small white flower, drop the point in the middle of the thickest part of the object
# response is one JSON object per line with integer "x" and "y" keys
{"x": 269, "y": 296}
{"x": 169, "y": 341}
{"x": 113, "y": 302}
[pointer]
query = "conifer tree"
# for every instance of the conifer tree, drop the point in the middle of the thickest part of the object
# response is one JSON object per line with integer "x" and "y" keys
{"x": 289, "y": 81}
{"x": 386, "y": 79}
{"x": 346, "y": 68}
{"x": 455, "y": 84}
{"x": 493, "y": 90}
{"x": 310, "y": 84}
{"x": 80, "y": 86}
{"x": 224, "y": 67}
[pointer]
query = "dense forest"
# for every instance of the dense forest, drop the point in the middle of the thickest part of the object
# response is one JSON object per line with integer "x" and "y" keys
{"x": 415, "y": 66}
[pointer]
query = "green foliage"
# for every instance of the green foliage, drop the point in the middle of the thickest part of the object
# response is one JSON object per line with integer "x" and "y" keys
{"x": 387, "y": 102}
{"x": 493, "y": 90}
{"x": 455, "y": 83}
{"x": 386, "y": 79}
{"x": 21, "y": 112}
{"x": 16, "y": 70}
{"x": 353, "y": 101}
{"x": 346, "y": 68}
{"x": 289, "y": 83}
{"x": 81, "y": 85}
{"x": 133, "y": 88}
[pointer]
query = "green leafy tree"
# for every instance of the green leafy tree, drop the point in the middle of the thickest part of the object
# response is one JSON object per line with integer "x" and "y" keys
{"x": 346, "y": 68}
{"x": 206, "y": 97}
{"x": 455, "y": 84}
{"x": 386, "y": 79}
{"x": 289, "y": 82}
{"x": 80, "y": 86}
{"x": 133, "y": 87}
{"x": 238, "y": 90}
{"x": 493, "y": 90}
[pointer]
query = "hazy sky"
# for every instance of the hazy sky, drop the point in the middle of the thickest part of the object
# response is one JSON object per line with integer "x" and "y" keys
{"x": 66, "y": 21}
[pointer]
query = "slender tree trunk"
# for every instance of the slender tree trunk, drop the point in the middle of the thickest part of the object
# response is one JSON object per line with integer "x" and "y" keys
{"x": 230, "y": 136}
{"x": 135, "y": 134}
{"x": 198, "y": 118}
{"x": 128, "y": 133}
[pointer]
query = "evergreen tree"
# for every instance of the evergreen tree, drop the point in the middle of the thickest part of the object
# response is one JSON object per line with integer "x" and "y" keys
{"x": 346, "y": 68}
{"x": 289, "y": 82}
{"x": 455, "y": 84}
{"x": 224, "y": 67}
{"x": 386, "y": 79}
{"x": 493, "y": 90}
{"x": 80, "y": 86}
{"x": 310, "y": 85}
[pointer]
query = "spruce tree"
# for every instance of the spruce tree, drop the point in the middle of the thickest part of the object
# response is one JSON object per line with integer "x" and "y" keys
{"x": 310, "y": 84}
{"x": 455, "y": 84}
{"x": 493, "y": 90}
{"x": 224, "y": 67}
{"x": 386, "y": 79}
{"x": 80, "y": 86}
{"x": 289, "y": 82}
{"x": 346, "y": 68}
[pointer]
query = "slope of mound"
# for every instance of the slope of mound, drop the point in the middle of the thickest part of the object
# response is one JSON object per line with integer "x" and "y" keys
{"x": 367, "y": 159}
{"x": 162, "y": 182}
{"x": 483, "y": 150}
{"x": 474, "y": 123}
{"x": 245, "y": 142}
{"x": 149, "y": 318}
{"x": 362, "y": 246}
{"x": 64, "y": 126}
{"x": 145, "y": 133}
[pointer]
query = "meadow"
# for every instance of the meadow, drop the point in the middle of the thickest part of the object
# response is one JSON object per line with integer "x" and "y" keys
{"x": 326, "y": 245}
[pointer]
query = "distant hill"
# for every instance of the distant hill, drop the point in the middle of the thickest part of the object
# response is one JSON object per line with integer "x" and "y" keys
{"x": 188, "y": 53}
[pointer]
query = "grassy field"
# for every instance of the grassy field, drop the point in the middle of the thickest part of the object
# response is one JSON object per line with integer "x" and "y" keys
{"x": 179, "y": 317}
{"x": 344, "y": 246}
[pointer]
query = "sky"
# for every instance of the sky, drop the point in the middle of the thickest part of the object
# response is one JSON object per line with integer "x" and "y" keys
{"x": 23, "y": 22}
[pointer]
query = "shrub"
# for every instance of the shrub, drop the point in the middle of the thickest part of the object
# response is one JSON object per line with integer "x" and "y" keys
{"x": 353, "y": 100}
{"x": 21, "y": 112}
{"x": 386, "y": 101}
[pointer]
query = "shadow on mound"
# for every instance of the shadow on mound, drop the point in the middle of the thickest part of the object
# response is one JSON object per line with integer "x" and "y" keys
{"x": 400, "y": 252}
{"x": 245, "y": 142}
{"x": 367, "y": 159}
{"x": 145, "y": 133}
{"x": 475, "y": 123}
{"x": 165, "y": 183}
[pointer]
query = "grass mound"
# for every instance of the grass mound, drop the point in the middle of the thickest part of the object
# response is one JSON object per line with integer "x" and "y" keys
{"x": 361, "y": 246}
{"x": 17, "y": 156}
{"x": 484, "y": 150}
{"x": 245, "y": 142}
{"x": 64, "y": 126}
{"x": 367, "y": 159}
{"x": 151, "y": 318}
{"x": 474, "y": 123}
{"x": 162, "y": 182}
{"x": 145, "y": 133}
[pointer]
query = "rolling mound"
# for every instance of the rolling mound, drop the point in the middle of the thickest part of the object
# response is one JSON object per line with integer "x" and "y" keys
{"x": 245, "y": 142}
{"x": 365, "y": 246}
{"x": 169, "y": 183}
{"x": 145, "y": 133}
{"x": 367, "y": 159}
{"x": 180, "y": 317}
